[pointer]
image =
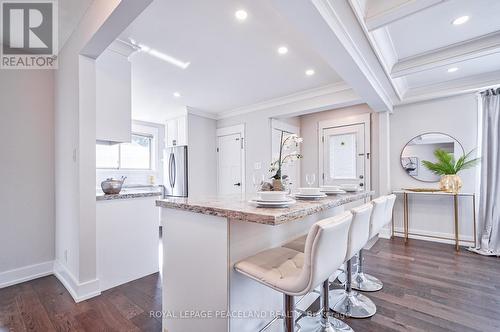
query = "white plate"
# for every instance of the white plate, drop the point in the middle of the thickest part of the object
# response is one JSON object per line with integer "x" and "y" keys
{"x": 272, "y": 195}
{"x": 285, "y": 201}
{"x": 300, "y": 196}
{"x": 273, "y": 204}
{"x": 334, "y": 192}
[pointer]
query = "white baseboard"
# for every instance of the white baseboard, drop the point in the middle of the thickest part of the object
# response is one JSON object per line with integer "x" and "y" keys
{"x": 26, "y": 273}
{"x": 79, "y": 291}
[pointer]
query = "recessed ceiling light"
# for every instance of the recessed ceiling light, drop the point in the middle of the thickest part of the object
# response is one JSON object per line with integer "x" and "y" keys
{"x": 460, "y": 20}
{"x": 452, "y": 69}
{"x": 241, "y": 15}
{"x": 310, "y": 72}
{"x": 177, "y": 94}
{"x": 282, "y": 50}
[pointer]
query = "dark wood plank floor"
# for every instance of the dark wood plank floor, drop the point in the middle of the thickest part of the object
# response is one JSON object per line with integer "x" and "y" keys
{"x": 45, "y": 305}
{"x": 427, "y": 287}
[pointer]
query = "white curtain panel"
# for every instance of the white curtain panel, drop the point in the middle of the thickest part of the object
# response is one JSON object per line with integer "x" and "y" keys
{"x": 489, "y": 202}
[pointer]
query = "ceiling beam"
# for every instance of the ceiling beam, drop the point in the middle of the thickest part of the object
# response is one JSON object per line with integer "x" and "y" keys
{"x": 470, "y": 84}
{"x": 334, "y": 32}
{"x": 387, "y": 12}
{"x": 445, "y": 56}
{"x": 319, "y": 99}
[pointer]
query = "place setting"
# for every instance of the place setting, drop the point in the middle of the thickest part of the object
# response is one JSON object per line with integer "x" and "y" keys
{"x": 273, "y": 199}
{"x": 310, "y": 192}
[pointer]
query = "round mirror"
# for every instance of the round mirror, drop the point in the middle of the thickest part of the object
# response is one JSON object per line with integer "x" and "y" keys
{"x": 421, "y": 148}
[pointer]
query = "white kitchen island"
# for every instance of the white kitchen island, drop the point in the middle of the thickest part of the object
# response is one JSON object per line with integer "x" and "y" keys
{"x": 203, "y": 239}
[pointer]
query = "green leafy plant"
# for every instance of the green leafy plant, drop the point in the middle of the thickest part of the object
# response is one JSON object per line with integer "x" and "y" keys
{"x": 446, "y": 164}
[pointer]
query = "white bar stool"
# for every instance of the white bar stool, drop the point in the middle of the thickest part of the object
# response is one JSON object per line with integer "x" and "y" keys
{"x": 347, "y": 301}
{"x": 294, "y": 273}
{"x": 381, "y": 216}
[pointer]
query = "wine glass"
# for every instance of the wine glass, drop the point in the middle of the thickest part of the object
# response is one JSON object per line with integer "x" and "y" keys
{"x": 310, "y": 179}
{"x": 258, "y": 179}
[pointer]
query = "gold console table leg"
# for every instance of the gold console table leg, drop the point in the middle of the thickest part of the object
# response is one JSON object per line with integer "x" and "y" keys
{"x": 455, "y": 205}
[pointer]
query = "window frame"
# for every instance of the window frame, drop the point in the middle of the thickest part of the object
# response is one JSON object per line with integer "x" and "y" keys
{"x": 151, "y": 157}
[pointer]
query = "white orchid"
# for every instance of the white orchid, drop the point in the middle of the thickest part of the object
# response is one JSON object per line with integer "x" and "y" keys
{"x": 291, "y": 141}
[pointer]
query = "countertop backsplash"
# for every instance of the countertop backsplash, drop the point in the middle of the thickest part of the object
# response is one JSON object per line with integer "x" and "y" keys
{"x": 134, "y": 178}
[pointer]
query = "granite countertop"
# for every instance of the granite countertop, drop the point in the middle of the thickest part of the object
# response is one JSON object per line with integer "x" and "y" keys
{"x": 238, "y": 209}
{"x": 129, "y": 193}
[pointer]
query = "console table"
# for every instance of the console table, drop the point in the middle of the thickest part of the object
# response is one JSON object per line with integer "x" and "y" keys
{"x": 407, "y": 193}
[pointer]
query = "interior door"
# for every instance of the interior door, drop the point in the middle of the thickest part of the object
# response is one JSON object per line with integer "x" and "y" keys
{"x": 229, "y": 149}
{"x": 344, "y": 155}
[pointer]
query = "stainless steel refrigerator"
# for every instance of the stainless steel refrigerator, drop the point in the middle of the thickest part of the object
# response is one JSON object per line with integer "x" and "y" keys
{"x": 175, "y": 174}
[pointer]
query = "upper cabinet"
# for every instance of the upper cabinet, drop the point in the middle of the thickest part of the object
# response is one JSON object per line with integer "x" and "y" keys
{"x": 176, "y": 131}
{"x": 113, "y": 97}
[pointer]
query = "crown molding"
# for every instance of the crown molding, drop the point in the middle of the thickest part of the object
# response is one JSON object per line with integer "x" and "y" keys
{"x": 470, "y": 84}
{"x": 203, "y": 114}
{"x": 286, "y": 100}
{"x": 395, "y": 13}
{"x": 463, "y": 51}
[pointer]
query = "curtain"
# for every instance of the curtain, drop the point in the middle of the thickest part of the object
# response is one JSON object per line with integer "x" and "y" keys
{"x": 489, "y": 202}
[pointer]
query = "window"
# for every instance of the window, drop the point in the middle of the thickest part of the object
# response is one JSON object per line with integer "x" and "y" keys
{"x": 342, "y": 150}
{"x": 134, "y": 155}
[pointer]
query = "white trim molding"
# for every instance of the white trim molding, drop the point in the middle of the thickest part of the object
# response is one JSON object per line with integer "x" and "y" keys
{"x": 80, "y": 291}
{"x": 203, "y": 114}
{"x": 286, "y": 100}
{"x": 470, "y": 84}
{"x": 26, "y": 273}
{"x": 445, "y": 56}
{"x": 381, "y": 17}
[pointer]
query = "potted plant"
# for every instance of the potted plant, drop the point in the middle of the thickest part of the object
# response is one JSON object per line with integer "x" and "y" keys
{"x": 448, "y": 169}
{"x": 291, "y": 141}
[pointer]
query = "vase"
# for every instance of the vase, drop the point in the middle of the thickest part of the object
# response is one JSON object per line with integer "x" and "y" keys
{"x": 450, "y": 183}
{"x": 278, "y": 185}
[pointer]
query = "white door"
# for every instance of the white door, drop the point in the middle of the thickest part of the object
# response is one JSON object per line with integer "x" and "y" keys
{"x": 345, "y": 160}
{"x": 230, "y": 149}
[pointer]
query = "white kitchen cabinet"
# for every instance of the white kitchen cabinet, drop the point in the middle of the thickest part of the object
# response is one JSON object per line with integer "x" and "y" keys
{"x": 113, "y": 97}
{"x": 176, "y": 131}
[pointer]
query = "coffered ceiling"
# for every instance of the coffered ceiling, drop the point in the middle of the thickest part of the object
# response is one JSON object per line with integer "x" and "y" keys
{"x": 424, "y": 53}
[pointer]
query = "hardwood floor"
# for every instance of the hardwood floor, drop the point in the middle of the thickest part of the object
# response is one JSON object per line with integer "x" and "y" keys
{"x": 45, "y": 305}
{"x": 427, "y": 287}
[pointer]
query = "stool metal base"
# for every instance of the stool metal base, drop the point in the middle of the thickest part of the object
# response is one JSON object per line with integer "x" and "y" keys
{"x": 351, "y": 304}
{"x": 315, "y": 324}
{"x": 366, "y": 282}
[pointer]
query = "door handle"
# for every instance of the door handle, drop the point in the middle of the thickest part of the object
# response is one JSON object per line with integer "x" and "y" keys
{"x": 361, "y": 184}
{"x": 361, "y": 176}
{"x": 170, "y": 166}
{"x": 237, "y": 184}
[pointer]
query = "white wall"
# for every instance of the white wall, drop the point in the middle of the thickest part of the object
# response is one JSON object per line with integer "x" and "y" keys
{"x": 26, "y": 170}
{"x": 202, "y": 157}
{"x": 456, "y": 116}
{"x": 258, "y": 141}
{"x": 75, "y": 142}
{"x": 309, "y": 131}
